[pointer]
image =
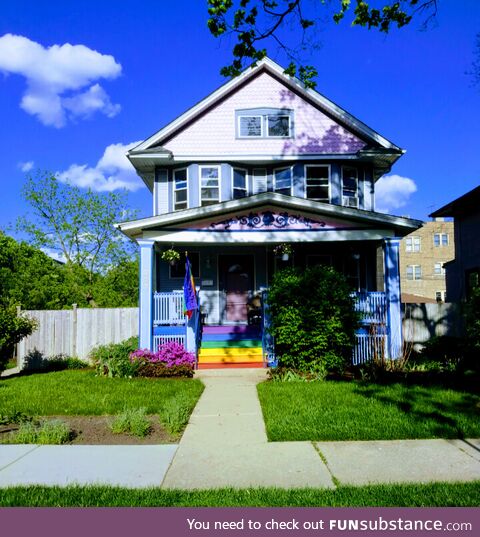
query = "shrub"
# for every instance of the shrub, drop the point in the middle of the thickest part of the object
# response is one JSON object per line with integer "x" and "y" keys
{"x": 48, "y": 432}
{"x": 13, "y": 328}
{"x": 36, "y": 361}
{"x": 313, "y": 319}
{"x": 472, "y": 327}
{"x": 440, "y": 353}
{"x": 113, "y": 360}
{"x": 131, "y": 421}
{"x": 171, "y": 360}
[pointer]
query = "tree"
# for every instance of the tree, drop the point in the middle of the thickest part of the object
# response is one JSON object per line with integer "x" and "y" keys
{"x": 257, "y": 23}
{"x": 77, "y": 225}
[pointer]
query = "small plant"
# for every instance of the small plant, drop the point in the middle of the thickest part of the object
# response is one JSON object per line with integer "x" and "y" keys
{"x": 36, "y": 361}
{"x": 284, "y": 374}
{"x": 174, "y": 414}
{"x": 49, "y": 432}
{"x": 170, "y": 256}
{"x": 131, "y": 421}
{"x": 284, "y": 249}
{"x": 14, "y": 417}
{"x": 114, "y": 360}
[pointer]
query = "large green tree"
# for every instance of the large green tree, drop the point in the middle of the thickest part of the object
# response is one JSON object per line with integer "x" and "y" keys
{"x": 77, "y": 225}
{"x": 292, "y": 25}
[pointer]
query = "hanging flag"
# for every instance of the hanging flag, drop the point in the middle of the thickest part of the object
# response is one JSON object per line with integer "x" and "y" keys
{"x": 189, "y": 294}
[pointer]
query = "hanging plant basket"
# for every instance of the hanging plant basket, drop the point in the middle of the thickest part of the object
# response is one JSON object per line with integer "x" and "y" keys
{"x": 171, "y": 256}
{"x": 284, "y": 251}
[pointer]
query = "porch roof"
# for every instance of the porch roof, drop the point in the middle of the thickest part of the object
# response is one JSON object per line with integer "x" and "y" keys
{"x": 335, "y": 219}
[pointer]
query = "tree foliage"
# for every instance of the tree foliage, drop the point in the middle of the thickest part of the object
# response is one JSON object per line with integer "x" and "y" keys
{"x": 78, "y": 226}
{"x": 312, "y": 319}
{"x": 256, "y": 24}
{"x": 13, "y": 328}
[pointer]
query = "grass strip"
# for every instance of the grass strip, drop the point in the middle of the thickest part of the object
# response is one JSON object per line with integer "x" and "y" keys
{"x": 338, "y": 410}
{"x": 417, "y": 495}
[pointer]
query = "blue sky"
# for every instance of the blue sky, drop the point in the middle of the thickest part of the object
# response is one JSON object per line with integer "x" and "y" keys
{"x": 62, "y": 108}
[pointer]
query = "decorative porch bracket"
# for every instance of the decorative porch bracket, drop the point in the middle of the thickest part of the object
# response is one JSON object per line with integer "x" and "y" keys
{"x": 391, "y": 250}
{"x": 146, "y": 293}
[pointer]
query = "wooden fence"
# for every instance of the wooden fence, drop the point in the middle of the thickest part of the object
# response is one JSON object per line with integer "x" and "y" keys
{"x": 75, "y": 332}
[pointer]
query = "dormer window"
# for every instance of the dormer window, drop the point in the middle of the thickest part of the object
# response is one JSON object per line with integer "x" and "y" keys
{"x": 264, "y": 123}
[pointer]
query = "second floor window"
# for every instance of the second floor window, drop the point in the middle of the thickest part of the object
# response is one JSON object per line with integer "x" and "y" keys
{"x": 414, "y": 272}
{"x": 438, "y": 269}
{"x": 440, "y": 239}
{"x": 239, "y": 183}
{"x": 350, "y": 186}
{"x": 282, "y": 179}
{"x": 412, "y": 244}
{"x": 180, "y": 189}
{"x": 209, "y": 185}
{"x": 317, "y": 183}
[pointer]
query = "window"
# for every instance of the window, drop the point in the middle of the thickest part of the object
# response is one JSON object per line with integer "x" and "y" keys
{"x": 178, "y": 270}
{"x": 278, "y": 126}
{"x": 180, "y": 189}
{"x": 317, "y": 183}
{"x": 414, "y": 272}
{"x": 264, "y": 123}
{"x": 413, "y": 244}
{"x": 209, "y": 185}
{"x": 239, "y": 179}
{"x": 283, "y": 181}
{"x": 440, "y": 239}
{"x": 438, "y": 269}
{"x": 350, "y": 186}
{"x": 440, "y": 296}
{"x": 250, "y": 126}
{"x": 259, "y": 180}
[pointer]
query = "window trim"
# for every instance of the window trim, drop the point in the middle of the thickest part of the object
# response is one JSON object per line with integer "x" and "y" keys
{"x": 200, "y": 168}
{"x": 175, "y": 190}
{"x": 239, "y": 131}
{"x": 440, "y": 243}
{"x": 412, "y": 238}
{"x": 442, "y": 268}
{"x": 274, "y": 177}
{"x": 267, "y": 119}
{"x": 233, "y": 168}
{"x": 329, "y": 166}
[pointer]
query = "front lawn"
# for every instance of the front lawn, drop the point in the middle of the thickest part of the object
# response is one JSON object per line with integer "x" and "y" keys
{"x": 429, "y": 495}
{"x": 339, "y": 410}
{"x": 80, "y": 392}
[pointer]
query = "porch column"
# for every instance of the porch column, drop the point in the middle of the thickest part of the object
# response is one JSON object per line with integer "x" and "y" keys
{"x": 145, "y": 329}
{"x": 391, "y": 250}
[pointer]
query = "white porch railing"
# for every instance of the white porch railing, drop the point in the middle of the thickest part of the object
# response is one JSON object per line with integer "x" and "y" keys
{"x": 168, "y": 309}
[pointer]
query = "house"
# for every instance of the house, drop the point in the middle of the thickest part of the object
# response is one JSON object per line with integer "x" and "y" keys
{"x": 423, "y": 255}
{"x": 261, "y": 162}
{"x": 463, "y": 273}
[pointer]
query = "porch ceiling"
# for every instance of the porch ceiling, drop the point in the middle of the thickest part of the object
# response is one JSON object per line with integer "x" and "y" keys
{"x": 268, "y": 218}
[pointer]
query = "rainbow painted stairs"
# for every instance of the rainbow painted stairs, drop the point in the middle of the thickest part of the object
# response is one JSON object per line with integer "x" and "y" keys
{"x": 230, "y": 346}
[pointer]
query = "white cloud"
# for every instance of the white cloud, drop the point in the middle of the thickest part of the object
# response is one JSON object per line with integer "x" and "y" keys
{"x": 112, "y": 172}
{"x": 393, "y": 192}
{"x": 26, "y": 166}
{"x": 55, "y": 77}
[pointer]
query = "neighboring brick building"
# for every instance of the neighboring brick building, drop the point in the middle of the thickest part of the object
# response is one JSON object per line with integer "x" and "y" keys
{"x": 422, "y": 255}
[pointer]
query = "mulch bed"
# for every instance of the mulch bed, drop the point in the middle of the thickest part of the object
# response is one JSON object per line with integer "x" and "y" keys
{"x": 95, "y": 430}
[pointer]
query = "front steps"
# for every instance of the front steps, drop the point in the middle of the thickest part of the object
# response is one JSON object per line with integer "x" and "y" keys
{"x": 230, "y": 346}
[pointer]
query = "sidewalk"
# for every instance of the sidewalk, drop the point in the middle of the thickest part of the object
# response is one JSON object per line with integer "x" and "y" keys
{"x": 225, "y": 445}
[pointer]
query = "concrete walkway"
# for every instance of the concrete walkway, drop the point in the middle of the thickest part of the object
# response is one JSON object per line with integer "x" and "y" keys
{"x": 225, "y": 445}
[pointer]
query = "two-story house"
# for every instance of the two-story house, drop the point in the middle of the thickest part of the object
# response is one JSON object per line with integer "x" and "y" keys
{"x": 260, "y": 162}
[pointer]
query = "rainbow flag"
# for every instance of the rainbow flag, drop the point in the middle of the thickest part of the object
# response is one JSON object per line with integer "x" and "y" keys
{"x": 189, "y": 294}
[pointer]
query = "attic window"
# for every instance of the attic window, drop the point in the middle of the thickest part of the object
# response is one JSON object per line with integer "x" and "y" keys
{"x": 250, "y": 126}
{"x": 278, "y": 126}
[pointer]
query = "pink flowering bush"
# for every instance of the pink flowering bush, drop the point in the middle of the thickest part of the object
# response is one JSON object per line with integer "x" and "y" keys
{"x": 170, "y": 360}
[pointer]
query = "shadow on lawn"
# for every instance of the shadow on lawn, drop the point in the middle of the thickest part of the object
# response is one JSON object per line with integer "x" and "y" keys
{"x": 441, "y": 412}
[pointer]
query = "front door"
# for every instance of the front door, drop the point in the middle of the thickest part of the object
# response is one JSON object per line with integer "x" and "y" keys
{"x": 236, "y": 280}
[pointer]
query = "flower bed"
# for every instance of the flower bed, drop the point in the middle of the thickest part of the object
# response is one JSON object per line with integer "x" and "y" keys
{"x": 171, "y": 360}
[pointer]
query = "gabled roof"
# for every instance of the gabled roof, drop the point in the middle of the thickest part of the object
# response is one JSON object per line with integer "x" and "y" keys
{"x": 401, "y": 225}
{"x": 267, "y": 65}
{"x": 464, "y": 204}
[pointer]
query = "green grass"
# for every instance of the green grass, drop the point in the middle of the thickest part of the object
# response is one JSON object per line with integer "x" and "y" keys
{"x": 431, "y": 495}
{"x": 131, "y": 421}
{"x": 366, "y": 411}
{"x": 80, "y": 392}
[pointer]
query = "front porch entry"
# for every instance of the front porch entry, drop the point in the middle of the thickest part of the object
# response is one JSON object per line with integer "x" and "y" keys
{"x": 236, "y": 275}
